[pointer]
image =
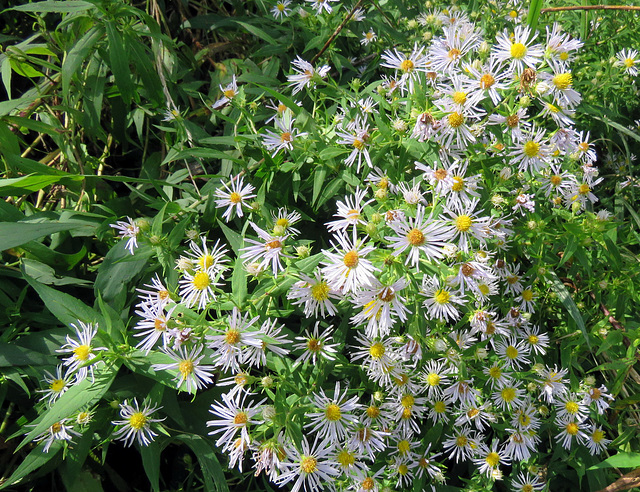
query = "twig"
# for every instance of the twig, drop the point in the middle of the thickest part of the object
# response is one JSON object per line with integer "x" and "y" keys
{"x": 590, "y": 7}
{"x": 336, "y": 32}
{"x": 626, "y": 482}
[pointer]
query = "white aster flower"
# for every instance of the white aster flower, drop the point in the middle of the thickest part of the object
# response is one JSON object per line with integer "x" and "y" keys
{"x": 234, "y": 197}
{"x": 129, "y": 230}
{"x": 136, "y": 423}
{"x": 82, "y": 351}
{"x": 348, "y": 269}
{"x": 191, "y": 374}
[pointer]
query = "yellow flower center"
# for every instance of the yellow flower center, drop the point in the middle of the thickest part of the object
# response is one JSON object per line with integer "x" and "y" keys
{"x": 235, "y": 197}
{"x": 332, "y": 412}
{"x": 57, "y": 385}
{"x": 527, "y": 295}
{"x": 440, "y": 174}
{"x": 508, "y": 394}
{"x": 351, "y": 259}
{"x": 495, "y": 372}
{"x": 346, "y": 459}
{"x": 524, "y": 419}
{"x": 484, "y": 289}
{"x": 473, "y": 412}
{"x": 57, "y": 427}
{"x": 555, "y": 180}
{"x": 486, "y": 81}
{"x": 229, "y": 94}
{"x": 185, "y": 367}
{"x": 232, "y": 336}
{"x": 572, "y": 428}
{"x": 564, "y": 56}
{"x": 513, "y": 14}
{"x": 308, "y": 464}
{"x": 286, "y": 137}
{"x": 597, "y": 436}
{"x": 562, "y": 81}
{"x": 595, "y": 394}
{"x": 368, "y": 484}
{"x": 403, "y": 469}
{"x": 320, "y": 291}
{"x": 205, "y": 261}
{"x": 518, "y": 51}
{"x": 415, "y": 237}
{"x": 493, "y": 459}
{"x": 82, "y": 352}
{"x": 138, "y": 420}
{"x": 386, "y": 295}
{"x": 404, "y": 447}
{"x": 553, "y": 108}
{"x": 407, "y": 401}
{"x": 458, "y": 183}
{"x": 377, "y": 350}
{"x": 531, "y": 148}
{"x": 571, "y": 407}
{"x": 373, "y": 412}
{"x": 241, "y": 418}
{"x": 358, "y": 144}
{"x": 201, "y": 280}
{"x": 240, "y": 379}
{"x": 512, "y": 120}
{"x": 527, "y": 487}
{"x": 463, "y": 223}
{"x": 533, "y": 339}
{"x": 453, "y": 53}
{"x": 433, "y": 379}
{"x": 314, "y": 345}
{"x": 461, "y": 441}
{"x": 511, "y": 352}
{"x": 407, "y": 66}
{"x": 455, "y": 120}
{"x": 280, "y": 7}
{"x": 584, "y": 189}
{"x": 440, "y": 407}
{"x": 629, "y": 62}
{"x": 442, "y": 296}
{"x": 459, "y": 97}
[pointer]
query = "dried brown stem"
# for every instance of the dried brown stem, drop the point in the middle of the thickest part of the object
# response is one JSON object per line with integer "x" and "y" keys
{"x": 590, "y": 7}
{"x": 336, "y": 32}
{"x": 626, "y": 482}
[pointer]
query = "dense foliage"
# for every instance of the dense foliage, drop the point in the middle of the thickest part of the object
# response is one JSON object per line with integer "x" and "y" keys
{"x": 318, "y": 245}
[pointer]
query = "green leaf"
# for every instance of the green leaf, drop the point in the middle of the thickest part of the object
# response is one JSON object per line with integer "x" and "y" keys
{"x": 117, "y": 270}
{"x": 239, "y": 282}
{"x": 534, "y": 13}
{"x": 34, "y": 460}
{"x": 119, "y": 62}
{"x": 151, "y": 463}
{"x": 569, "y": 304}
{"x": 199, "y": 152}
{"x": 18, "y": 233}
{"x": 14, "y": 355}
{"x": 288, "y": 102}
{"x": 78, "y": 54}
{"x": 47, "y": 275}
{"x": 26, "y": 184}
{"x": 55, "y": 6}
{"x": 620, "y": 460}
{"x": 85, "y": 393}
{"x": 256, "y": 31}
{"x": 212, "y": 473}
{"x": 235, "y": 239}
{"x": 66, "y": 308}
